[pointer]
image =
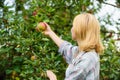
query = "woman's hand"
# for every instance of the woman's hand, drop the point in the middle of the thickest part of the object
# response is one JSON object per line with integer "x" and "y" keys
{"x": 48, "y": 30}
{"x": 51, "y": 75}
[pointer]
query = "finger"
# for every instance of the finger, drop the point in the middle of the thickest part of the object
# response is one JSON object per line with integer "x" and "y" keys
{"x": 51, "y": 75}
{"x": 48, "y": 71}
{"x": 47, "y": 25}
{"x": 48, "y": 74}
{"x": 44, "y": 23}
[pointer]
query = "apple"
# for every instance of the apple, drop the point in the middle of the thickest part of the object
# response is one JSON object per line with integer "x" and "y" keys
{"x": 33, "y": 58}
{"x": 41, "y": 26}
{"x": 14, "y": 73}
{"x": 34, "y": 13}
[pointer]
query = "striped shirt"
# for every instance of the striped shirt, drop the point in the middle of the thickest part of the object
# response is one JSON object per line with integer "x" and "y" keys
{"x": 82, "y": 65}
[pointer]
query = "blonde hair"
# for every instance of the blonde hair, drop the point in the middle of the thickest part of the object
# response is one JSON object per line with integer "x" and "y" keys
{"x": 87, "y": 32}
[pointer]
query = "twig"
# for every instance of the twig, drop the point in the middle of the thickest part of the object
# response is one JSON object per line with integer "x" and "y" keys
{"x": 111, "y": 4}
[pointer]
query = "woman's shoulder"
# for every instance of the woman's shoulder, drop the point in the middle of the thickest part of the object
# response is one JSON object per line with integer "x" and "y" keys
{"x": 92, "y": 56}
{"x": 92, "y": 53}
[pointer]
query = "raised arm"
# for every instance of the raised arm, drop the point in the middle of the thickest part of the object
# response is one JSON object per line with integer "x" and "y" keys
{"x": 65, "y": 48}
{"x": 58, "y": 41}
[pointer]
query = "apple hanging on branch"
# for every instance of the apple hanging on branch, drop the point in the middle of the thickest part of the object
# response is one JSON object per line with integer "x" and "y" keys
{"x": 41, "y": 27}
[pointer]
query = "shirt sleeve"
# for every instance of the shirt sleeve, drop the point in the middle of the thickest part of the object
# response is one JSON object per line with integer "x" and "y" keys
{"x": 80, "y": 70}
{"x": 67, "y": 50}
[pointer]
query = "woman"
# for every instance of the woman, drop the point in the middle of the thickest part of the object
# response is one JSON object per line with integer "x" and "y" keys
{"x": 83, "y": 59}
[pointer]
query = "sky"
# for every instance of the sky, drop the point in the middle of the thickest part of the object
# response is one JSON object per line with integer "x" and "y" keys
{"x": 106, "y": 9}
{"x": 115, "y": 15}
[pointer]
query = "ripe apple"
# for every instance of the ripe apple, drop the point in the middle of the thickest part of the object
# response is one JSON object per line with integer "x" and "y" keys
{"x": 34, "y": 13}
{"x": 41, "y": 26}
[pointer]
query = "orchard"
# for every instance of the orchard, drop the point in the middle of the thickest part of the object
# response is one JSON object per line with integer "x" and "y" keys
{"x": 26, "y": 54}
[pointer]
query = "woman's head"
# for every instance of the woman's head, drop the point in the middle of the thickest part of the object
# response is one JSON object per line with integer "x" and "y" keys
{"x": 86, "y": 31}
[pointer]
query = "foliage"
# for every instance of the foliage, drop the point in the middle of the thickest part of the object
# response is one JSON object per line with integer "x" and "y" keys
{"x": 27, "y": 54}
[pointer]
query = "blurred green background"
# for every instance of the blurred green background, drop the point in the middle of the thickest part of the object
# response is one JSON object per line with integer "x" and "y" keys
{"x": 26, "y": 54}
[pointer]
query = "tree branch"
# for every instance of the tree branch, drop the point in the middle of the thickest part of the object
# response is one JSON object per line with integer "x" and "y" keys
{"x": 111, "y": 4}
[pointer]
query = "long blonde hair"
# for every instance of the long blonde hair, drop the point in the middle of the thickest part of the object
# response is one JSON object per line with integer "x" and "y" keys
{"x": 87, "y": 32}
